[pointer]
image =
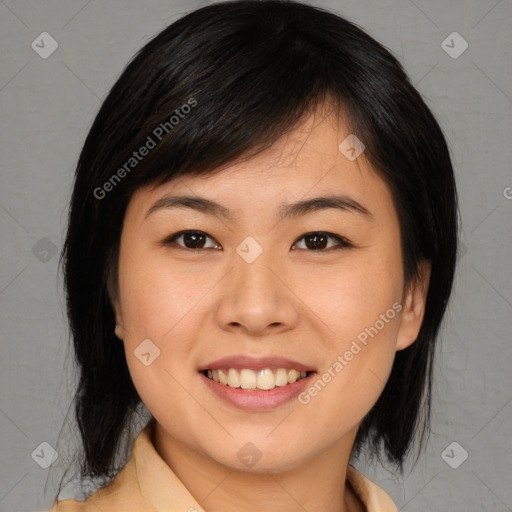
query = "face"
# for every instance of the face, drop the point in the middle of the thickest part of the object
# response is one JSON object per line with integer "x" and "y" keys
{"x": 263, "y": 290}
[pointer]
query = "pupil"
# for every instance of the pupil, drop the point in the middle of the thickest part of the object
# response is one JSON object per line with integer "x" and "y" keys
{"x": 194, "y": 238}
{"x": 318, "y": 242}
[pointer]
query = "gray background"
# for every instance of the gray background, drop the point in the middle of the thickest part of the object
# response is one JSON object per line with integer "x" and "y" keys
{"x": 46, "y": 108}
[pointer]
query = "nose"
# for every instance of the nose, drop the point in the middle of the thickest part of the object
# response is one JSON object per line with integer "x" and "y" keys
{"x": 256, "y": 298}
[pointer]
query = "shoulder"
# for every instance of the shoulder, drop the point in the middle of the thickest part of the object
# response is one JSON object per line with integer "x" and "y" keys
{"x": 120, "y": 495}
{"x": 123, "y": 493}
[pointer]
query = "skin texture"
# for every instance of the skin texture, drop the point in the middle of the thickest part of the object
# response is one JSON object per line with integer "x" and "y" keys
{"x": 200, "y": 305}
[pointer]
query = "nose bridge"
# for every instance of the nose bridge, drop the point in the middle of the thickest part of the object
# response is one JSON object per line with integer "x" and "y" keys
{"x": 255, "y": 297}
{"x": 257, "y": 276}
{"x": 254, "y": 279}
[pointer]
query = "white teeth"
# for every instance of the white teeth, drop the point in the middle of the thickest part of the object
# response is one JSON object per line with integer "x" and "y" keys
{"x": 281, "y": 377}
{"x": 293, "y": 375}
{"x": 247, "y": 379}
{"x": 264, "y": 379}
{"x": 223, "y": 377}
{"x": 233, "y": 378}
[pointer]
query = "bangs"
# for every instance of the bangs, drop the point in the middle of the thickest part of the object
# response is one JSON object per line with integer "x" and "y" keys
{"x": 211, "y": 103}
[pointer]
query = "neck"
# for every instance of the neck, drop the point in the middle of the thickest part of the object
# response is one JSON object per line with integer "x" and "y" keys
{"x": 315, "y": 485}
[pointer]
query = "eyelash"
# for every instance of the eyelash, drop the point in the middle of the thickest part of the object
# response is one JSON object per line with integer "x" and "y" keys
{"x": 343, "y": 242}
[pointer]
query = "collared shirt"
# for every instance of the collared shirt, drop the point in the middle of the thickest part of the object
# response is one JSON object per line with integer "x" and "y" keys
{"x": 148, "y": 484}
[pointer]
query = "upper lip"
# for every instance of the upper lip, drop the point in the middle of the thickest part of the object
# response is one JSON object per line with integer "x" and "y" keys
{"x": 256, "y": 363}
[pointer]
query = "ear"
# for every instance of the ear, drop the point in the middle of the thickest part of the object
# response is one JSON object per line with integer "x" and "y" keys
{"x": 415, "y": 298}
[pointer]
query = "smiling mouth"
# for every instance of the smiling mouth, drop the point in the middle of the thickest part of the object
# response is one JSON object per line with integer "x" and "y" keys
{"x": 263, "y": 380}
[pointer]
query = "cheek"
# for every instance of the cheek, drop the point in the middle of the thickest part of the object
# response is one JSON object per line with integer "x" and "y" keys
{"x": 156, "y": 308}
{"x": 354, "y": 295}
{"x": 355, "y": 373}
{"x": 157, "y": 296}
{"x": 361, "y": 306}
{"x": 161, "y": 303}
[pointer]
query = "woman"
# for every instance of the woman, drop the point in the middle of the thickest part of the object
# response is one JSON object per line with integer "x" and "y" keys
{"x": 261, "y": 247}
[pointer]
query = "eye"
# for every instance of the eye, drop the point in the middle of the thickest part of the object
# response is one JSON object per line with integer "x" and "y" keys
{"x": 314, "y": 241}
{"x": 191, "y": 240}
{"x": 319, "y": 241}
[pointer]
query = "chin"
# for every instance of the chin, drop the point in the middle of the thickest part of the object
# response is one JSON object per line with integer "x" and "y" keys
{"x": 251, "y": 459}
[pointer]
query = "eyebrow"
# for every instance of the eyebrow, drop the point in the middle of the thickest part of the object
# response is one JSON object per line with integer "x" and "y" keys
{"x": 285, "y": 211}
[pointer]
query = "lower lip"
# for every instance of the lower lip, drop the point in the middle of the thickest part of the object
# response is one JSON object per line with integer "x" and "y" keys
{"x": 257, "y": 399}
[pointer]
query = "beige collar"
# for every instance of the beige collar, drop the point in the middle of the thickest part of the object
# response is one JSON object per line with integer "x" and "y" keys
{"x": 147, "y": 483}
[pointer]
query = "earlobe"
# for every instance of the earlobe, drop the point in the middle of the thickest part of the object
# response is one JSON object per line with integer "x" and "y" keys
{"x": 414, "y": 307}
{"x": 119, "y": 332}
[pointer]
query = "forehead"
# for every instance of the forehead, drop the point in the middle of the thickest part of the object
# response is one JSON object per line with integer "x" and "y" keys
{"x": 306, "y": 162}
